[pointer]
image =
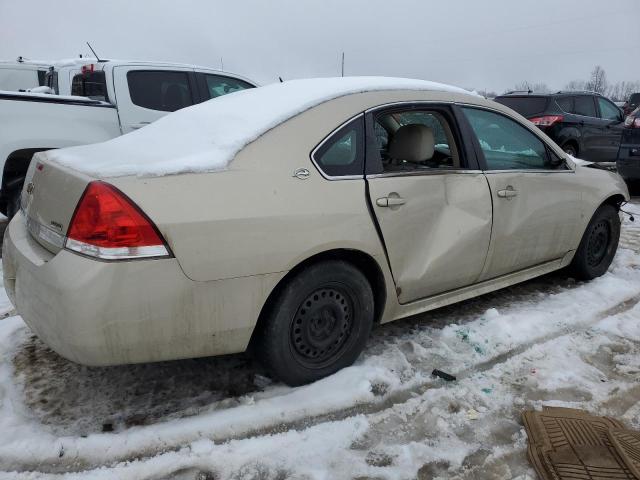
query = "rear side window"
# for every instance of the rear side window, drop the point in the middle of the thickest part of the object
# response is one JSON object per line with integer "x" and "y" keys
{"x": 343, "y": 152}
{"x": 506, "y": 144}
{"x": 159, "y": 90}
{"x": 525, "y": 106}
{"x": 584, "y": 105}
{"x": 42, "y": 74}
{"x": 565, "y": 104}
{"x": 218, "y": 85}
{"x": 92, "y": 85}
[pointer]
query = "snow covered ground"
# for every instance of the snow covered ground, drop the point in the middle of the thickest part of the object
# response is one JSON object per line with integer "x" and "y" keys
{"x": 548, "y": 341}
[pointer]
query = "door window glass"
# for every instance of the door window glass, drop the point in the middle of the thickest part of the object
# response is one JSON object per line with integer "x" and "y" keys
{"x": 218, "y": 85}
{"x": 506, "y": 144}
{"x": 584, "y": 105}
{"x": 565, "y": 104}
{"x": 159, "y": 90}
{"x": 92, "y": 85}
{"x": 414, "y": 140}
{"x": 608, "y": 110}
{"x": 343, "y": 153}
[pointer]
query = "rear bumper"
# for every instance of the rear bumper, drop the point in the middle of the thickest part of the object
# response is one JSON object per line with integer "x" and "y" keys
{"x": 107, "y": 313}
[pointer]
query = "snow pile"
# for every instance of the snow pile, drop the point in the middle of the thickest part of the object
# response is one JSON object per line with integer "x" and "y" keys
{"x": 207, "y": 136}
{"x": 548, "y": 341}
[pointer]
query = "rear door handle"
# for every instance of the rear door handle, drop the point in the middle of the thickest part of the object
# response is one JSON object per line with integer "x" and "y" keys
{"x": 136, "y": 126}
{"x": 508, "y": 192}
{"x": 390, "y": 201}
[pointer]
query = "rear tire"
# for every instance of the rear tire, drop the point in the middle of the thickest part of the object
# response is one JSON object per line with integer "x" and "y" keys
{"x": 570, "y": 149}
{"x": 318, "y": 324}
{"x": 598, "y": 245}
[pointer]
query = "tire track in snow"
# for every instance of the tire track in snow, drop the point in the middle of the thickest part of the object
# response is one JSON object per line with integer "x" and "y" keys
{"x": 391, "y": 401}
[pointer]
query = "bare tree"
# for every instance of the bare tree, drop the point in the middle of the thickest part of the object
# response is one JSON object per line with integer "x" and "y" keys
{"x": 527, "y": 86}
{"x": 575, "y": 85}
{"x": 598, "y": 81}
{"x": 621, "y": 91}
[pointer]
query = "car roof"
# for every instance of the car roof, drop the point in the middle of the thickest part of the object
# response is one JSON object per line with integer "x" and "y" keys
{"x": 214, "y": 132}
{"x": 550, "y": 94}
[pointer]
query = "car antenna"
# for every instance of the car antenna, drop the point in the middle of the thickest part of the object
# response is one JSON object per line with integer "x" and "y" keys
{"x": 94, "y": 52}
{"x": 281, "y": 80}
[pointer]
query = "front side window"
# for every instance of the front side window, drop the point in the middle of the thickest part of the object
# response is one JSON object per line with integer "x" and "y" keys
{"x": 218, "y": 85}
{"x": 585, "y": 106}
{"x": 506, "y": 144}
{"x": 608, "y": 110}
{"x": 343, "y": 152}
{"x": 414, "y": 140}
{"x": 159, "y": 90}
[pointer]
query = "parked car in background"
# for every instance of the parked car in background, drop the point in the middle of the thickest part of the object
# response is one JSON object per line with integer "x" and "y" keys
{"x": 93, "y": 102}
{"x": 22, "y": 74}
{"x": 631, "y": 104}
{"x": 629, "y": 157}
{"x": 289, "y": 219}
{"x": 584, "y": 124}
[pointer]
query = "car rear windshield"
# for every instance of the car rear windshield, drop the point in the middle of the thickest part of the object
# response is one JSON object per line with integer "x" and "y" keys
{"x": 525, "y": 106}
{"x": 92, "y": 85}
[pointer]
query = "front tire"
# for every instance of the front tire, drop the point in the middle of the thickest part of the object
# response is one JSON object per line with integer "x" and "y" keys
{"x": 318, "y": 324}
{"x": 598, "y": 245}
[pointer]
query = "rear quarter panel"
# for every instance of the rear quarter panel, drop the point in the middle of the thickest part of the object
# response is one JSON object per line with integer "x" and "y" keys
{"x": 256, "y": 217}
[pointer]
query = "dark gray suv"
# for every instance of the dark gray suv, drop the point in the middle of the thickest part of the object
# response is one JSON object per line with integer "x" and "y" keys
{"x": 585, "y": 124}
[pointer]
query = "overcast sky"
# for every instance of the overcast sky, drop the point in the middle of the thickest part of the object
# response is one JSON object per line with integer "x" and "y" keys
{"x": 490, "y": 44}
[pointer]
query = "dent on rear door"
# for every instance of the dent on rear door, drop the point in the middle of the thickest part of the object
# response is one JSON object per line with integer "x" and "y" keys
{"x": 438, "y": 240}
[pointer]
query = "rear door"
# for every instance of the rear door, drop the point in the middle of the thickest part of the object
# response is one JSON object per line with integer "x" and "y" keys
{"x": 431, "y": 202}
{"x": 536, "y": 199}
{"x": 145, "y": 94}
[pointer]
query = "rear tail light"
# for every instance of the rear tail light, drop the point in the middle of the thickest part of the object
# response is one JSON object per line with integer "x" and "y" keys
{"x": 546, "y": 120}
{"x": 108, "y": 225}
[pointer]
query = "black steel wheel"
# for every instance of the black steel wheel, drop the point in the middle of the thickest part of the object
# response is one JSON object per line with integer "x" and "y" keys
{"x": 317, "y": 324}
{"x": 321, "y": 327}
{"x": 598, "y": 245}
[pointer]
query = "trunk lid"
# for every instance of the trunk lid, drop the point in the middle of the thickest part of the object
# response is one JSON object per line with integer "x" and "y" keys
{"x": 49, "y": 198}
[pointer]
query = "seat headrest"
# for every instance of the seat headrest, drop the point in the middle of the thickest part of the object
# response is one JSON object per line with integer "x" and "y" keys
{"x": 412, "y": 143}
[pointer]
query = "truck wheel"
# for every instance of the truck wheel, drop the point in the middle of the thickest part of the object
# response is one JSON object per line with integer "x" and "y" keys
{"x": 13, "y": 203}
{"x": 318, "y": 324}
{"x": 598, "y": 245}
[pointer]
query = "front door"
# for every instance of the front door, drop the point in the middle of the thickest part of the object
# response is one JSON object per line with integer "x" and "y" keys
{"x": 536, "y": 199}
{"x": 434, "y": 212}
{"x": 612, "y": 127}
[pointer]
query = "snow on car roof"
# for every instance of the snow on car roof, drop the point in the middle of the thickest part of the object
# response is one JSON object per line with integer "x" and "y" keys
{"x": 206, "y": 137}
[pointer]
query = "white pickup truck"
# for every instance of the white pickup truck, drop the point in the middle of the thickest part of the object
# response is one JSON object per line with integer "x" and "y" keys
{"x": 93, "y": 101}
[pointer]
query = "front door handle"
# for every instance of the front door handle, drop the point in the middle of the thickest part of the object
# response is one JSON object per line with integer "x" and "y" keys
{"x": 390, "y": 201}
{"x": 507, "y": 193}
{"x": 136, "y": 126}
